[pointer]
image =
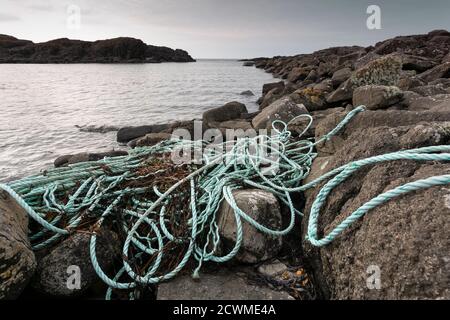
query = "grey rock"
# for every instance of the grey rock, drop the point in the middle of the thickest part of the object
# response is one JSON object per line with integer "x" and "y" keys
{"x": 396, "y": 238}
{"x": 52, "y": 276}
{"x": 152, "y": 138}
{"x": 222, "y": 285}
{"x": 247, "y": 93}
{"x": 440, "y": 71}
{"x": 429, "y": 90}
{"x": 284, "y": 109}
{"x": 17, "y": 260}
{"x": 249, "y": 64}
{"x": 343, "y": 93}
{"x": 298, "y": 74}
{"x": 230, "y": 111}
{"x": 272, "y": 269}
{"x": 269, "y": 86}
{"x": 271, "y": 96}
{"x": 376, "y": 97}
{"x": 86, "y": 156}
{"x": 263, "y": 207}
{"x": 127, "y": 134}
{"x": 340, "y": 76}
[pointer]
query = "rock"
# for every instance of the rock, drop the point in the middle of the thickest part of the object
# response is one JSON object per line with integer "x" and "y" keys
{"x": 230, "y": 111}
{"x": 263, "y": 207}
{"x": 311, "y": 98}
{"x": 383, "y": 71}
{"x": 52, "y": 273}
{"x": 369, "y": 119}
{"x": 326, "y": 86}
{"x": 236, "y": 125}
{"x": 85, "y": 157}
{"x": 247, "y": 93}
{"x": 283, "y": 109}
{"x": 118, "y": 50}
{"x": 419, "y": 64}
{"x": 98, "y": 129}
{"x": 429, "y": 90}
{"x": 312, "y": 76}
{"x": 249, "y": 64}
{"x": 152, "y": 138}
{"x": 298, "y": 74}
{"x": 343, "y": 93}
{"x": 440, "y": 71}
{"x": 414, "y": 102}
{"x": 221, "y": 285}
{"x": 127, "y": 134}
{"x": 272, "y": 96}
{"x": 341, "y": 76}
{"x": 269, "y": 86}
{"x": 272, "y": 269}
{"x": 404, "y": 235}
{"x": 17, "y": 260}
{"x": 376, "y": 97}
{"x": 407, "y": 83}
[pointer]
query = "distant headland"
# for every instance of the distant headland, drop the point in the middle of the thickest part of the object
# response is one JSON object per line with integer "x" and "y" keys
{"x": 118, "y": 50}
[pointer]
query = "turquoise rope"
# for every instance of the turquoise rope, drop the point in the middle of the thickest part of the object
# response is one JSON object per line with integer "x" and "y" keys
{"x": 96, "y": 193}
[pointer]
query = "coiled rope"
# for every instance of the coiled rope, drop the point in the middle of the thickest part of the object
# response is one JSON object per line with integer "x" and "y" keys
{"x": 167, "y": 225}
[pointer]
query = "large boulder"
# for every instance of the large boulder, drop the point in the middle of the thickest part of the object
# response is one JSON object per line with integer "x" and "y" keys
{"x": 371, "y": 119}
{"x": 340, "y": 76}
{"x": 52, "y": 274}
{"x": 87, "y": 156}
{"x": 405, "y": 239}
{"x": 284, "y": 109}
{"x": 384, "y": 71}
{"x": 311, "y": 98}
{"x": 17, "y": 260}
{"x": 230, "y": 111}
{"x": 221, "y": 285}
{"x": 263, "y": 207}
{"x": 376, "y": 97}
{"x": 440, "y": 71}
{"x": 270, "y": 86}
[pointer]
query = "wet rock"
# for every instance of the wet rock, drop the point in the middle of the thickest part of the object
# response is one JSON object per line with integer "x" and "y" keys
{"x": 376, "y": 97}
{"x": 17, "y": 260}
{"x": 127, "y": 134}
{"x": 393, "y": 237}
{"x": 152, "y": 138}
{"x": 221, "y": 285}
{"x": 249, "y": 64}
{"x": 86, "y": 156}
{"x": 247, "y": 93}
{"x": 284, "y": 109}
{"x": 263, "y": 207}
{"x": 440, "y": 71}
{"x": 269, "y": 86}
{"x": 340, "y": 76}
{"x": 229, "y": 111}
{"x": 98, "y": 129}
{"x": 52, "y": 274}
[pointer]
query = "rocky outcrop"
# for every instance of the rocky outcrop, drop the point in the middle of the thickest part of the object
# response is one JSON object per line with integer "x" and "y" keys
{"x": 400, "y": 237}
{"x": 284, "y": 109}
{"x": 17, "y": 260}
{"x": 122, "y": 50}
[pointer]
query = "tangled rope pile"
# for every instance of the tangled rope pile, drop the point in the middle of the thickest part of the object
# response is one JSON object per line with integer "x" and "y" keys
{"x": 168, "y": 212}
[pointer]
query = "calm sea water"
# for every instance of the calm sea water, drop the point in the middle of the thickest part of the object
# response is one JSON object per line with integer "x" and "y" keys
{"x": 42, "y": 105}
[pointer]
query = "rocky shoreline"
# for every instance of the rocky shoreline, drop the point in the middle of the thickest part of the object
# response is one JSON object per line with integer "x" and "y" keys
{"x": 404, "y": 83}
{"x": 118, "y": 50}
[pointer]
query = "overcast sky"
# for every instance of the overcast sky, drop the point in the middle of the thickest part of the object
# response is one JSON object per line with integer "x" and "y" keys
{"x": 225, "y": 28}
